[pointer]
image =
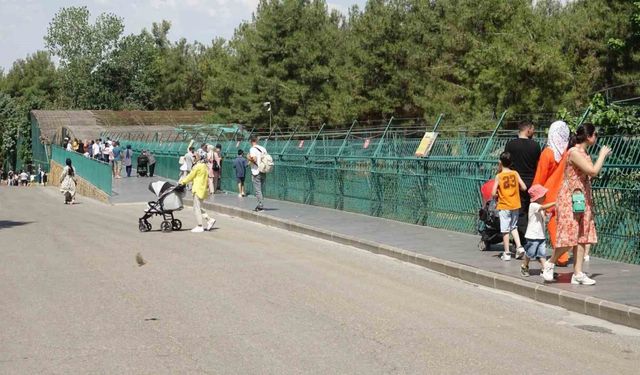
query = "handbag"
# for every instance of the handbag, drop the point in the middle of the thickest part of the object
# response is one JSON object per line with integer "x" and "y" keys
{"x": 578, "y": 202}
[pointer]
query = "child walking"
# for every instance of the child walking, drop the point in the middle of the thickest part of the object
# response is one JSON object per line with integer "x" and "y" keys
{"x": 507, "y": 188}
{"x": 240, "y": 165}
{"x": 536, "y": 243}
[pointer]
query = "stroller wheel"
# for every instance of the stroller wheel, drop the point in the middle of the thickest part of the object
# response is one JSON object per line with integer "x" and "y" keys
{"x": 144, "y": 226}
{"x": 165, "y": 226}
{"x": 176, "y": 224}
{"x": 483, "y": 245}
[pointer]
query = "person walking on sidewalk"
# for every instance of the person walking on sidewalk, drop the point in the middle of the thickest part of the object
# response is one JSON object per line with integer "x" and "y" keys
{"x": 550, "y": 174}
{"x": 152, "y": 163}
{"x": 507, "y": 188}
{"x": 199, "y": 175}
{"x": 258, "y": 178}
{"x": 536, "y": 245}
{"x": 128, "y": 157}
{"x": 240, "y": 165}
{"x": 68, "y": 183}
{"x": 525, "y": 153}
{"x": 574, "y": 206}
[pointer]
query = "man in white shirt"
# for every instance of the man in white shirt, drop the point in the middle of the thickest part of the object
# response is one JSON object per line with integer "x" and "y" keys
{"x": 186, "y": 167}
{"x": 95, "y": 149}
{"x": 257, "y": 178}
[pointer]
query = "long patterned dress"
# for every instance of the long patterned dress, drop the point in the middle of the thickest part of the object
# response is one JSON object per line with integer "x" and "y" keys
{"x": 573, "y": 228}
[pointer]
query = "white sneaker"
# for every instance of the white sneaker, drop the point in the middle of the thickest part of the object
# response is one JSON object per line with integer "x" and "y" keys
{"x": 520, "y": 252}
{"x": 587, "y": 258}
{"x": 583, "y": 279}
{"x": 210, "y": 223}
{"x": 547, "y": 272}
{"x": 197, "y": 229}
{"x": 505, "y": 256}
{"x": 239, "y": 195}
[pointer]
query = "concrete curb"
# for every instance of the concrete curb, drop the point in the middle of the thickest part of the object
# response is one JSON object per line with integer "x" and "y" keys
{"x": 596, "y": 307}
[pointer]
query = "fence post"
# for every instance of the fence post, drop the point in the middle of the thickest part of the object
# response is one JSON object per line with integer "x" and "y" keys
{"x": 339, "y": 197}
{"x": 308, "y": 171}
{"x": 584, "y": 116}
{"x": 384, "y": 134}
{"x": 493, "y": 134}
{"x": 438, "y": 121}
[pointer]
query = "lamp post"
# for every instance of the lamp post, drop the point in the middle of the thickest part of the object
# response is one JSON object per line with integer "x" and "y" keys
{"x": 268, "y": 106}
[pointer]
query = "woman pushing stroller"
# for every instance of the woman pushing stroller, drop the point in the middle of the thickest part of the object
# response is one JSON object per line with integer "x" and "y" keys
{"x": 199, "y": 175}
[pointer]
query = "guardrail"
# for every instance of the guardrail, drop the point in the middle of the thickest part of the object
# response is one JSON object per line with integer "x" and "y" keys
{"x": 95, "y": 172}
{"x": 376, "y": 174}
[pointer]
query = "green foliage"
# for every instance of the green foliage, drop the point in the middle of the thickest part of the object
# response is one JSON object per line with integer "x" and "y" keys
{"x": 82, "y": 48}
{"x": 403, "y": 58}
{"x": 613, "y": 119}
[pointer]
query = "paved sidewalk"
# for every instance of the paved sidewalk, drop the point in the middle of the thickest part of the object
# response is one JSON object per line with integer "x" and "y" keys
{"x": 616, "y": 297}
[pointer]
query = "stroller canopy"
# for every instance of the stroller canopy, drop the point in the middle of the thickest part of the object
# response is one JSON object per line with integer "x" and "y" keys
{"x": 160, "y": 187}
{"x": 485, "y": 191}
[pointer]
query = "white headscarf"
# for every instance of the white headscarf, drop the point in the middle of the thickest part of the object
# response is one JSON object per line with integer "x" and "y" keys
{"x": 558, "y": 139}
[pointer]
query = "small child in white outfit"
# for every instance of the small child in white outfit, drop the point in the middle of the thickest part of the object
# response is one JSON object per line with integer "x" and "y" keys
{"x": 535, "y": 247}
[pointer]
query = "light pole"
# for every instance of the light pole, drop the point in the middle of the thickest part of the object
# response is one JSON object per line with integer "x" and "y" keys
{"x": 268, "y": 106}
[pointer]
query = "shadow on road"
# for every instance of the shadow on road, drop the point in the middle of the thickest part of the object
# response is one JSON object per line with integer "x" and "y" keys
{"x": 10, "y": 223}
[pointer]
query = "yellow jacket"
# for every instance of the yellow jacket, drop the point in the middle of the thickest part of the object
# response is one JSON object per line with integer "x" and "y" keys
{"x": 200, "y": 176}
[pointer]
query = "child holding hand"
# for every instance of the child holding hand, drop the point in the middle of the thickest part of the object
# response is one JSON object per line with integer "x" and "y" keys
{"x": 536, "y": 243}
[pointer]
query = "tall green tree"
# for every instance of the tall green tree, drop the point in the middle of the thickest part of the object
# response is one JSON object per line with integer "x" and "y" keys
{"x": 82, "y": 48}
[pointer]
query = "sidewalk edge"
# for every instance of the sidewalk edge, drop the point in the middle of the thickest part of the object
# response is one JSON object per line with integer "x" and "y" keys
{"x": 603, "y": 309}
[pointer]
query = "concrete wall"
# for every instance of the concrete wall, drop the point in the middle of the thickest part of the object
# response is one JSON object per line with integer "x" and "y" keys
{"x": 83, "y": 187}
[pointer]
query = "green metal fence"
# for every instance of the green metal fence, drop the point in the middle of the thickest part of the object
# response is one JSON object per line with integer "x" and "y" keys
{"x": 370, "y": 169}
{"x": 96, "y": 172}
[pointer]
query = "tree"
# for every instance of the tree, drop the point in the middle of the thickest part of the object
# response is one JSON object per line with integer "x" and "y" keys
{"x": 11, "y": 128}
{"x": 34, "y": 79}
{"x": 82, "y": 47}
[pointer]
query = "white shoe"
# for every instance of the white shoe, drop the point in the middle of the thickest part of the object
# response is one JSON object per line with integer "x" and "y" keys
{"x": 587, "y": 258}
{"x": 582, "y": 279}
{"x": 239, "y": 195}
{"x": 210, "y": 223}
{"x": 197, "y": 229}
{"x": 505, "y": 256}
{"x": 520, "y": 252}
{"x": 547, "y": 272}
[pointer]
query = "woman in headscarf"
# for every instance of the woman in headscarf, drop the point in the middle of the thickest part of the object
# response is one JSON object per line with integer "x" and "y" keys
{"x": 68, "y": 183}
{"x": 549, "y": 174}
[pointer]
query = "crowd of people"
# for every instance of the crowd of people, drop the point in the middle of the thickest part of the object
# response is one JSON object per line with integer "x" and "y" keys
{"x": 555, "y": 184}
{"x": 23, "y": 177}
{"x": 200, "y": 172}
{"x": 111, "y": 152}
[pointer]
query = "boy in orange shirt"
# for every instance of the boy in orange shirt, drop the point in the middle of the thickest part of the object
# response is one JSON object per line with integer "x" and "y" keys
{"x": 507, "y": 188}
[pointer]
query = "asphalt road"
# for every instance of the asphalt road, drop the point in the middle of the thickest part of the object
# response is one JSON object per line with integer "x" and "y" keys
{"x": 249, "y": 299}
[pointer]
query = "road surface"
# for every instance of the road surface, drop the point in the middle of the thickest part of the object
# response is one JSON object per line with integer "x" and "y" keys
{"x": 250, "y": 299}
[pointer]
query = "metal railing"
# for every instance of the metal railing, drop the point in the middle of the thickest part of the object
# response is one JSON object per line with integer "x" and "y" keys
{"x": 373, "y": 171}
{"x": 95, "y": 172}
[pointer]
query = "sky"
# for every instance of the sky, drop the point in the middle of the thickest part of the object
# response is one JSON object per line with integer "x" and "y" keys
{"x": 23, "y": 23}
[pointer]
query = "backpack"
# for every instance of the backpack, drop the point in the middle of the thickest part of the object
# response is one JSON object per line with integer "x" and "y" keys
{"x": 265, "y": 161}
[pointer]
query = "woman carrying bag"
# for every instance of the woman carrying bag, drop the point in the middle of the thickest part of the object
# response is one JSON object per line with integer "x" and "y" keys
{"x": 576, "y": 226}
{"x": 68, "y": 183}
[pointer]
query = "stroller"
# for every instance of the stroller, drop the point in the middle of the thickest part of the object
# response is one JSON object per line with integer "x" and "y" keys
{"x": 143, "y": 162}
{"x": 489, "y": 223}
{"x": 169, "y": 200}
